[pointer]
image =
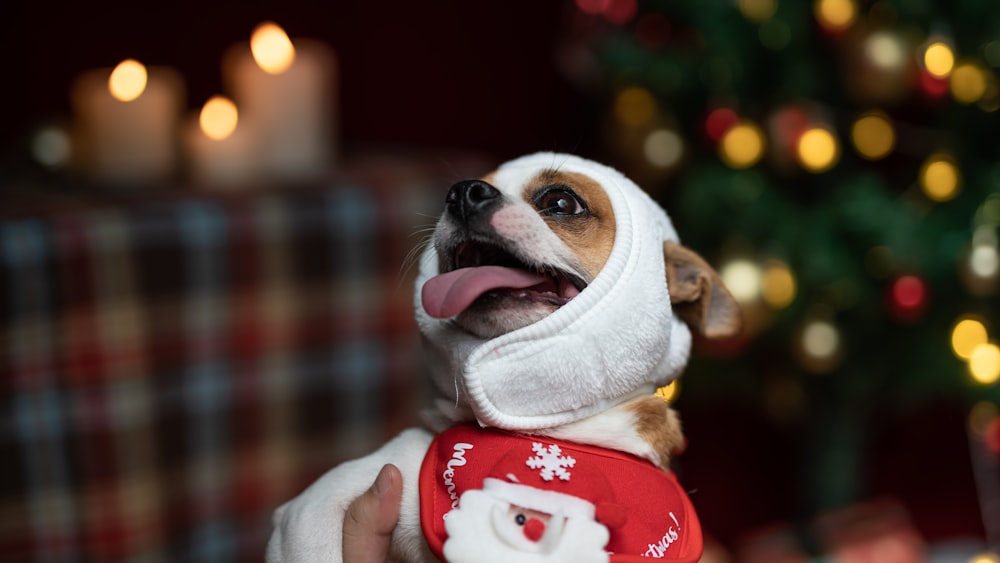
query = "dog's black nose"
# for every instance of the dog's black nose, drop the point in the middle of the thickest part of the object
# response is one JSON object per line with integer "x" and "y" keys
{"x": 471, "y": 197}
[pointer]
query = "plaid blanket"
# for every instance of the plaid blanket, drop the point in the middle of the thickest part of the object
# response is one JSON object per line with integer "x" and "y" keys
{"x": 174, "y": 366}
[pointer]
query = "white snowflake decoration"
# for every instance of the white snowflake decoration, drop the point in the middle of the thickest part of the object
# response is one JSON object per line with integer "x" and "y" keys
{"x": 551, "y": 462}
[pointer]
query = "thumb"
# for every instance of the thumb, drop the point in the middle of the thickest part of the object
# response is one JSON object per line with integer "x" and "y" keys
{"x": 372, "y": 517}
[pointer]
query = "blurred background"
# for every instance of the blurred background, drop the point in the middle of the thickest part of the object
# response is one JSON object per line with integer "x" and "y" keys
{"x": 205, "y": 252}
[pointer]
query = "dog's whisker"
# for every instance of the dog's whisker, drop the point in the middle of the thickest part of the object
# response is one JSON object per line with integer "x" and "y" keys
{"x": 413, "y": 256}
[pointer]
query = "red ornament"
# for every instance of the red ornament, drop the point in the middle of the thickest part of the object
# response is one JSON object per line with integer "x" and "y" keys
{"x": 908, "y": 298}
{"x": 719, "y": 121}
{"x": 933, "y": 86}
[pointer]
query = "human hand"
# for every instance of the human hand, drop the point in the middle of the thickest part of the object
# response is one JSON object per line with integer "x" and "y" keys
{"x": 372, "y": 517}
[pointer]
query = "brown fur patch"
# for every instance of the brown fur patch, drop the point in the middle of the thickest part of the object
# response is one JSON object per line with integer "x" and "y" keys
{"x": 659, "y": 425}
{"x": 590, "y": 236}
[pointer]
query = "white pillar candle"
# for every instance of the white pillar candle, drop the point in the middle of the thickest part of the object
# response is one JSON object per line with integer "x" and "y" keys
{"x": 286, "y": 95}
{"x": 126, "y": 122}
{"x": 218, "y": 149}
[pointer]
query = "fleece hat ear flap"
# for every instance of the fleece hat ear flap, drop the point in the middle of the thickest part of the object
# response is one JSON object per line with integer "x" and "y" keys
{"x": 616, "y": 340}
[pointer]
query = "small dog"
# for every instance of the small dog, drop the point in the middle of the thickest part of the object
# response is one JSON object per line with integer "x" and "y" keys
{"x": 554, "y": 300}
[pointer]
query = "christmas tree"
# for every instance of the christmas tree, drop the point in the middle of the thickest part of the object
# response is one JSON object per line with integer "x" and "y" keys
{"x": 838, "y": 161}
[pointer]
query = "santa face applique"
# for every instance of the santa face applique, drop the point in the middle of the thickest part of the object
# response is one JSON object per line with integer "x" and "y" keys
{"x": 489, "y": 495}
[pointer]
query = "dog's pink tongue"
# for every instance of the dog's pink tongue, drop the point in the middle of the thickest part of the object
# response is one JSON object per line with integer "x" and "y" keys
{"x": 449, "y": 294}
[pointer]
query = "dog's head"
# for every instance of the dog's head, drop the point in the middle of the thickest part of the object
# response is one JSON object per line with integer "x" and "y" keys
{"x": 553, "y": 242}
{"x": 511, "y": 255}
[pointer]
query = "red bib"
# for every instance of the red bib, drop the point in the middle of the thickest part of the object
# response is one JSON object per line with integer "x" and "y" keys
{"x": 651, "y": 516}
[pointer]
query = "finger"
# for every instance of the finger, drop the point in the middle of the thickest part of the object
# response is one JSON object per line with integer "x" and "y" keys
{"x": 372, "y": 517}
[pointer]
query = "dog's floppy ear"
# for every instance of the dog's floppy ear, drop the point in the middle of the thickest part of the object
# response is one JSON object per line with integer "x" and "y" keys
{"x": 698, "y": 295}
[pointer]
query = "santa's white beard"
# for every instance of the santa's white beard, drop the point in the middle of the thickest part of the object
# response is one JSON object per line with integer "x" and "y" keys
{"x": 477, "y": 535}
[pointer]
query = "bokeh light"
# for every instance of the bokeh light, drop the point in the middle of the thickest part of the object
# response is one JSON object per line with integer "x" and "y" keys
{"x": 820, "y": 340}
{"x": 984, "y": 261}
{"x": 271, "y": 48}
{"x": 719, "y": 121}
{"x": 777, "y": 285}
{"x": 218, "y": 118}
{"x": 663, "y": 148}
{"x": 818, "y": 149}
{"x": 986, "y": 557}
{"x": 984, "y": 363}
{"x": 757, "y": 10}
{"x": 128, "y": 80}
{"x": 940, "y": 179}
{"x": 939, "y": 59}
{"x": 982, "y": 414}
{"x": 967, "y": 333}
{"x": 873, "y": 136}
{"x": 885, "y": 50}
{"x": 742, "y": 145}
{"x": 51, "y": 147}
{"x": 909, "y": 297}
{"x": 743, "y": 279}
{"x": 967, "y": 83}
{"x": 836, "y": 15}
{"x": 634, "y": 106}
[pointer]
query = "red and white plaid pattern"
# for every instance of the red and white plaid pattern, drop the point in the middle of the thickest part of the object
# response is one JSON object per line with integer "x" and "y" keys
{"x": 174, "y": 366}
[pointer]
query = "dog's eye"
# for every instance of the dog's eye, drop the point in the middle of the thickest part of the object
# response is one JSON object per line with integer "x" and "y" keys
{"x": 559, "y": 201}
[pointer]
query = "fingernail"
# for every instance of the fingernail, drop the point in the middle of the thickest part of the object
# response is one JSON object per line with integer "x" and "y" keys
{"x": 381, "y": 484}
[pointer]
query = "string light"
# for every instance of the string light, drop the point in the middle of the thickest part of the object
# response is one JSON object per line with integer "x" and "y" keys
{"x": 873, "y": 136}
{"x": 819, "y": 345}
{"x": 128, "y": 80}
{"x": 719, "y": 121}
{"x": 663, "y": 148}
{"x": 939, "y": 60}
{"x": 742, "y": 145}
{"x": 818, "y": 150}
{"x": 777, "y": 285}
{"x": 743, "y": 279}
{"x": 984, "y": 261}
{"x": 984, "y": 363}
{"x": 908, "y": 298}
{"x": 967, "y": 333}
{"x": 757, "y": 10}
{"x": 836, "y": 15}
{"x": 939, "y": 178}
{"x": 885, "y": 50}
{"x": 967, "y": 83}
{"x": 634, "y": 106}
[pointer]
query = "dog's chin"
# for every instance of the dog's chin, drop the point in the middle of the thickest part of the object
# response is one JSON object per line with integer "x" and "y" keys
{"x": 495, "y": 314}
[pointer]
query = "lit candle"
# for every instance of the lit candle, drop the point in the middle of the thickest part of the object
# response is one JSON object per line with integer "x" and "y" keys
{"x": 217, "y": 146}
{"x": 286, "y": 95}
{"x": 126, "y": 121}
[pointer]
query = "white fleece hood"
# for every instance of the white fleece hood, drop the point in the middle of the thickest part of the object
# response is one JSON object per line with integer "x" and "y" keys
{"x": 617, "y": 339}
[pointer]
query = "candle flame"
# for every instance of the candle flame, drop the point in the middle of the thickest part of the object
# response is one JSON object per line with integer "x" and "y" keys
{"x": 128, "y": 80}
{"x": 271, "y": 48}
{"x": 218, "y": 118}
